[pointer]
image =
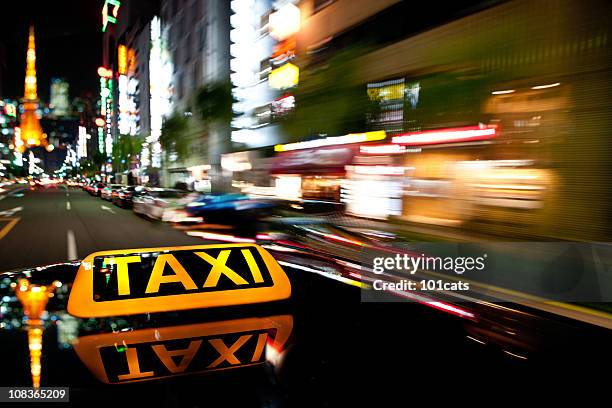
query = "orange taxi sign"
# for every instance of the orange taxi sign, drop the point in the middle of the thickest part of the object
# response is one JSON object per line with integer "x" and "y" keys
{"x": 161, "y": 352}
{"x": 125, "y": 282}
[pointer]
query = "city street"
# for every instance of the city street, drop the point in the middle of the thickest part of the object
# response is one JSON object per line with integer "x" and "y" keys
{"x": 265, "y": 203}
{"x": 58, "y": 224}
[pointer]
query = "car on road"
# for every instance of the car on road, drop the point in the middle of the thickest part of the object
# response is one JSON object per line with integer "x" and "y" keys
{"x": 110, "y": 190}
{"x": 228, "y": 208}
{"x": 160, "y": 203}
{"x": 125, "y": 195}
{"x": 95, "y": 189}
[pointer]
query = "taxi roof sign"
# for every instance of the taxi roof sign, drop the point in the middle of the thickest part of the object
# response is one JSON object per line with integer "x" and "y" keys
{"x": 134, "y": 281}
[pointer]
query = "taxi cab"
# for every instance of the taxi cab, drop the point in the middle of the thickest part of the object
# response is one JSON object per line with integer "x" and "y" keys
{"x": 227, "y": 325}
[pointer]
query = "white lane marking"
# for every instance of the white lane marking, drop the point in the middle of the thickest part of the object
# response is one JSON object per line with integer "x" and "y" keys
{"x": 72, "y": 250}
{"x": 105, "y": 208}
{"x": 67, "y": 194}
{"x": 68, "y": 205}
{"x": 11, "y": 212}
{"x": 10, "y": 193}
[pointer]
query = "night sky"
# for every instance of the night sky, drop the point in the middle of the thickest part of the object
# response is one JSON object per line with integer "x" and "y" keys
{"x": 68, "y": 44}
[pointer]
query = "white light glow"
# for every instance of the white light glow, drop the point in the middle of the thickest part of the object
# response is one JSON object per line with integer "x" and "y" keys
{"x": 160, "y": 67}
{"x": 284, "y": 22}
{"x": 546, "y": 86}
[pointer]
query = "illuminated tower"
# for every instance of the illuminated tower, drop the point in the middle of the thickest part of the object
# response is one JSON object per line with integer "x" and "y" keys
{"x": 31, "y": 132}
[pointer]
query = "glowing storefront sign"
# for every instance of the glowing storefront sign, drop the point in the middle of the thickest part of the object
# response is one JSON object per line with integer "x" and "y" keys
{"x": 18, "y": 161}
{"x": 82, "y": 142}
{"x": 383, "y": 149}
{"x": 450, "y": 135}
{"x": 101, "y": 139}
{"x": 284, "y": 77}
{"x": 106, "y": 108}
{"x": 284, "y": 22}
{"x": 335, "y": 140}
{"x": 122, "y": 59}
{"x": 128, "y": 120}
{"x": 128, "y": 111}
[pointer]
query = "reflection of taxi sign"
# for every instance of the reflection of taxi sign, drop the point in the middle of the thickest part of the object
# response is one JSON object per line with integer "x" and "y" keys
{"x": 153, "y": 353}
{"x": 111, "y": 283}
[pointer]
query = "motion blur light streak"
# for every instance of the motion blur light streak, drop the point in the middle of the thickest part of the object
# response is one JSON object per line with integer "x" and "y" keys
{"x": 515, "y": 355}
{"x": 468, "y": 133}
{"x": 546, "y": 86}
{"x": 220, "y": 237}
{"x": 383, "y": 149}
{"x": 502, "y": 92}
{"x": 333, "y": 276}
{"x": 443, "y": 306}
{"x": 332, "y": 141}
{"x": 335, "y": 237}
{"x": 263, "y": 236}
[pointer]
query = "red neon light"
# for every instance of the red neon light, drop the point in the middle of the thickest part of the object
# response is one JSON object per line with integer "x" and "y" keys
{"x": 449, "y": 135}
{"x": 388, "y": 148}
{"x": 220, "y": 237}
{"x": 339, "y": 238}
{"x": 442, "y": 306}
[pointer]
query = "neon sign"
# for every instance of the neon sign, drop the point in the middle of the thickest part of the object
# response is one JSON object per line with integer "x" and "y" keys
{"x": 122, "y": 59}
{"x": 112, "y": 16}
{"x": 449, "y": 135}
{"x": 106, "y": 108}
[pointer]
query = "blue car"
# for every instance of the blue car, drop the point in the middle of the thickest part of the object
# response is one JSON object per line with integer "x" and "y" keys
{"x": 227, "y": 207}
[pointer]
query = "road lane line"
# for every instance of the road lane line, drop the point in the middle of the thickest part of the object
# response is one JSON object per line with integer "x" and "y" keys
{"x": 11, "y": 193}
{"x": 72, "y": 250}
{"x": 68, "y": 205}
{"x": 105, "y": 208}
{"x": 11, "y": 212}
{"x": 9, "y": 226}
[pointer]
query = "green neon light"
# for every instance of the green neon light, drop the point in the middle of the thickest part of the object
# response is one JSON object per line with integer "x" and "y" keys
{"x": 101, "y": 140}
{"x": 110, "y": 18}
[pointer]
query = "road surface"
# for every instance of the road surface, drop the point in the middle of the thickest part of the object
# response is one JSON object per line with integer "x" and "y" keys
{"x": 53, "y": 225}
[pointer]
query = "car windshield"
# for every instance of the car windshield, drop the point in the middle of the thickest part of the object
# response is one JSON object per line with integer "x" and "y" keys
{"x": 304, "y": 202}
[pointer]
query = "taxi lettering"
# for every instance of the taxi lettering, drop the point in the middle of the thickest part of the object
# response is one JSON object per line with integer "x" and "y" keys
{"x": 157, "y": 352}
{"x": 211, "y": 354}
{"x": 180, "y": 275}
{"x": 161, "y": 279}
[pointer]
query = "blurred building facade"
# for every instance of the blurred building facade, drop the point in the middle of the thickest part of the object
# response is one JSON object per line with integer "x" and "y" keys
{"x": 494, "y": 116}
{"x": 198, "y": 42}
{"x": 59, "y": 99}
{"x": 124, "y": 85}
